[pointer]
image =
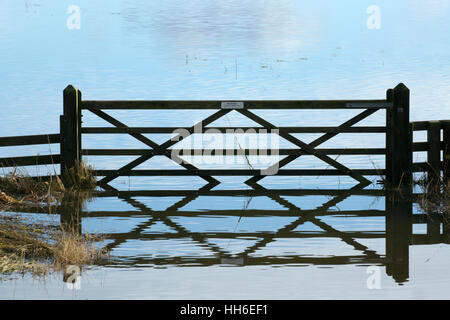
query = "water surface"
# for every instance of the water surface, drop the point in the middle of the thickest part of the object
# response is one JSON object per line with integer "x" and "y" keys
{"x": 229, "y": 50}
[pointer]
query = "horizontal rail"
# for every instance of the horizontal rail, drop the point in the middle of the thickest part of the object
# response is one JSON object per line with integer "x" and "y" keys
{"x": 29, "y": 140}
{"x": 419, "y": 218}
{"x": 237, "y": 192}
{"x": 238, "y": 213}
{"x": 416, "y": 218}
{"x": 229, "y": 152}
{"x": 239, "y": 172}
{"x": 424, "y": 125}
{"x": 423, "y": 146}
{"x": 233, "y": 235}
{"x": 127, "y": 130}
{"x": 251, "y": 260}
{"x": 29, "y": 161}
{"x": 248, "y": 104}
{"x": 423, "y": 166}
{"x": 417, "y": 239}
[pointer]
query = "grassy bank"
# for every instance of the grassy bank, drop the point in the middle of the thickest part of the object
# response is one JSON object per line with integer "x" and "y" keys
{"x": 39, "y": 248}
{"x": 17, "y": 189}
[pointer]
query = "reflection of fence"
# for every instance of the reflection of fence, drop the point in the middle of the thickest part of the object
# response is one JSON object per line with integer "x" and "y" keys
{"x": 398, "y": 231}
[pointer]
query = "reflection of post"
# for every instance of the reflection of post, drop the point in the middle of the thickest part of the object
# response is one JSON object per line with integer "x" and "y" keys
{"x": 433, "y": 227}
{"x": 70, "y": 211}
{"x": 398, "y": 236}
{"x": 446, "y": 228}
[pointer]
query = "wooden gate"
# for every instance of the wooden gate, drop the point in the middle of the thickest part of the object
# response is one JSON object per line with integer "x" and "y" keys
{"x": 397, "y": 129}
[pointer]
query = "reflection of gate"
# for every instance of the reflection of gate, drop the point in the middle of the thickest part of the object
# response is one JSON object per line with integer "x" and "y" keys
{"x": 397, "y": 129}
{"x": 397, "y": 232}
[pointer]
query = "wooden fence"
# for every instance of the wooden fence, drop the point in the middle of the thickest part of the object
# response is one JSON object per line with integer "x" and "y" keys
{"x": 438, "y": 140}
{"x": 398, "y": 149}
{"x": 43, "y": 139}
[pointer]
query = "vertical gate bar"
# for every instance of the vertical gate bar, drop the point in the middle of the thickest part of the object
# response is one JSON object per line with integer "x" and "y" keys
{"x": 434, "y": 152}
{"x": 389, "y": 128}
{"x": 446, "y": 150}
{"x": 78, "y": 126}
{"x": 62, "y": 143}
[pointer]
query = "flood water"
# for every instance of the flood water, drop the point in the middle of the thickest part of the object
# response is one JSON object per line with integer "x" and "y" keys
{"x": 320, "y": 242}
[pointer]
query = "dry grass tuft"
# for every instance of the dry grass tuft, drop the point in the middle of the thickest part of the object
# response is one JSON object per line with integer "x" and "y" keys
{"x": 81, "y": 177}
{"x": 435, "y": 197}
{"x": 71, "y": 249}
{"x": 40, "y": 249}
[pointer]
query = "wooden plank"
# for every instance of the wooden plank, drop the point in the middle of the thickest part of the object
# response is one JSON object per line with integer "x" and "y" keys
{"x": 433, "y": 227}
{"x": 233, "y": 235}
{"x": 434, "y": 152}
{"x": 423, "y": 146}
{"x": 423, "y": 239}
{"x": 234, "y": 152}
{"x": 445, "y": 146}
{"x": 248, "y": 104}
{"x": 308, "y": 148}
{"x": 401, "y": 139}
{"x": 423, "y": 125}
{"x": 237, "y": 192}
{"x": 368, "y": 105}
{"x": 29, "y": 161}
{"x": 420, "y": 167}
{"x": 389, "y": 131}
{"x": 238, "y": 213}
{"x": 211, "y": 118}
{"x": 70, "y": 127}
{"x": 419, "y": 146}
{"x": 419, "y": 125}
{"x": 215, "y": 259}
{"x": 318, "y": 142}
{"x": 29, "y": 140}
{"x": 235, "y": 130}
{"x": 423, "y": 218}
{"x": 237, "y": 172}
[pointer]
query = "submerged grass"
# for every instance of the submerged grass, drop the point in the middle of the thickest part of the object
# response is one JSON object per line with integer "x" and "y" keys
{"x": 435, "y": 197}
{"x": 39, "y": 249}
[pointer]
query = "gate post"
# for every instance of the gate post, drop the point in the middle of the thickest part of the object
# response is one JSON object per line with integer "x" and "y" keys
{"x": 399, "y": 139}
{"x": 70, "y": 132}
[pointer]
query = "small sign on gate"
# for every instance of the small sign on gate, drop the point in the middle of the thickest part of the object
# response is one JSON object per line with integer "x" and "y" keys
{"x": 232, "y": 105}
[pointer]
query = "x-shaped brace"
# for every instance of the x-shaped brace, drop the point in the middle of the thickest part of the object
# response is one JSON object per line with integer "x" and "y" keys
{"x": 163, "y": 148}
{"x": 309, "y": 148}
